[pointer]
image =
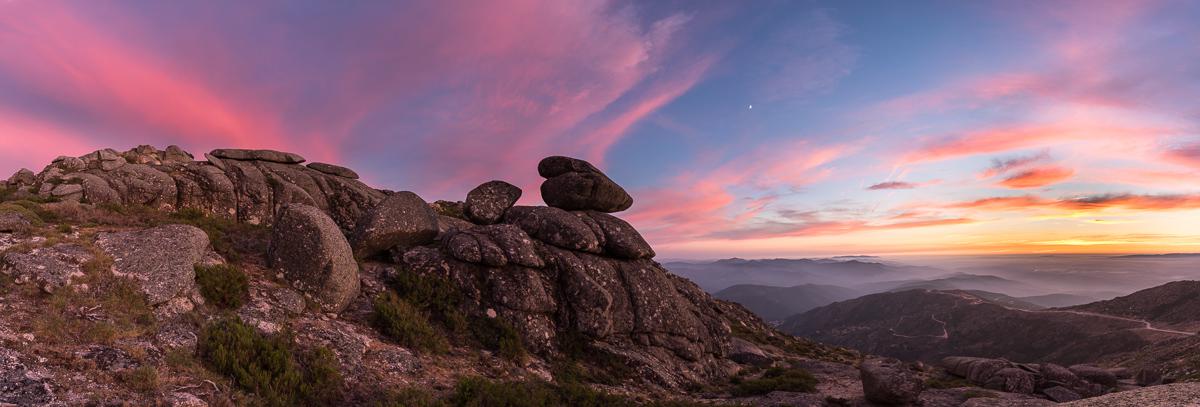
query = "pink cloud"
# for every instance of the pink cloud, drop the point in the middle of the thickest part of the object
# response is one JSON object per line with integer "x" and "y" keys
{"x": 1137, "y": 202}
{"x": 1037, "y": 177}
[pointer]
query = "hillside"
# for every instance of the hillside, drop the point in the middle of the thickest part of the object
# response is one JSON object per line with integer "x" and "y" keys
{"x": 1058, "y": 300}
{"x": 929, "y": 325}
{"x": 778, "y": 303}
{"x": 1175, "y": 304}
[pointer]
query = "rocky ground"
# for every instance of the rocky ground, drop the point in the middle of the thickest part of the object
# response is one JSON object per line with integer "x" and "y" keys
{"x": 146, "y": 277}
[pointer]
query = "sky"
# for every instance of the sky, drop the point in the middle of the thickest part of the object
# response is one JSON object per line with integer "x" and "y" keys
{"x": 741, "y": 128}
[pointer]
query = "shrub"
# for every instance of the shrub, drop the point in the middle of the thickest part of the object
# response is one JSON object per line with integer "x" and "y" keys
{"x": 777, "y": 379}
{"x": 438, "y": 295}
{"x": 224, "y": 286}
{"x": 268, "y": 366}
{"x": 499, "y": 336}
{"x": 402, "y": 322}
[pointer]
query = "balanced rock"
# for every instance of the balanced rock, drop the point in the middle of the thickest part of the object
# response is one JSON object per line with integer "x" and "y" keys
{"x": 574, "y": 184}
{"x": 161, "y": 259}
{"x": 487, "y": 203}
{"x": 889, "y": 381}
{"x": 334, "y": 170}
{"x": 402, "y": 220}
{"x": 258, "y": 155}
{"x": 312, "y": 253}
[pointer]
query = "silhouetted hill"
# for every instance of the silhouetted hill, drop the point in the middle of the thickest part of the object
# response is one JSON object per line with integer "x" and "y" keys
{"x": 929, "y": 325}
{"x": 778, "y": 303}
{"x": 1172, "y": 303}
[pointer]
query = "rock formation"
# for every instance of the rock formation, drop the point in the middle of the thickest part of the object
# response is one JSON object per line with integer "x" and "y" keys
{"x": 247, "y": 185}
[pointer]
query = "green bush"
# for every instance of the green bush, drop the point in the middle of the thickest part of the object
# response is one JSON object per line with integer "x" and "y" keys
{"x": 499, "y": 336}
{"x": 223, "y": 285}
{"x": 438, "y": 295}
{"x": 777, "y": 379}
{"x": 399, "y": 320}
{"x": 269, "y": 367}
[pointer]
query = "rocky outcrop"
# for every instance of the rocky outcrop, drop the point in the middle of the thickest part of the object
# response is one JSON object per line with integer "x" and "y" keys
{"x": 1051, "y": 380}
{"x": 161, "y": 259}
{"x": 314, "y": 256}
{"x": 575, "y": 184}
{"x": 487, "y": 203}
{"x": 402, "y": 220}
{"x": 555, "y": 273}
{"x": 890, "y": 382}
{"x": 246, "y": 185}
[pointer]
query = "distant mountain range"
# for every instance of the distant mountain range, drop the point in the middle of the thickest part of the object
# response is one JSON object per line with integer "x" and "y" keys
{"x": 778, "y": 303}
{"x": 721, "y": 274}
{"x": 1159, "y": 256}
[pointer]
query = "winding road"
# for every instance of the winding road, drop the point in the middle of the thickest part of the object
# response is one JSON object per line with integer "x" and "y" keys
{"x": 1146, "y": 325}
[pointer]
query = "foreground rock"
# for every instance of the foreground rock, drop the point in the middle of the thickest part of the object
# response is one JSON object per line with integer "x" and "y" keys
{"x": 314, "y": 256}
{"x": 161, "y": 259}
{"x": 888, "y": 381}
{"x": 50, "y": 268}
{"x": 19, "y": 386}
{"x": 574, "y": 184}
{"x": 1168, "y": 395}
{"x": 487, "y": 203}
{"x": 402, "y": 220}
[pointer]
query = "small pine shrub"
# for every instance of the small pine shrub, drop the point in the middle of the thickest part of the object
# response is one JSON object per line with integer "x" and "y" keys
{"x": 777, "y": 379}
{"x": 224, "y": 286}
{"x": 499, "y": 336}
{"x": 269, "y": 367}
{"x": 438, "y": 295}
{"x": 399, "y": 320}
